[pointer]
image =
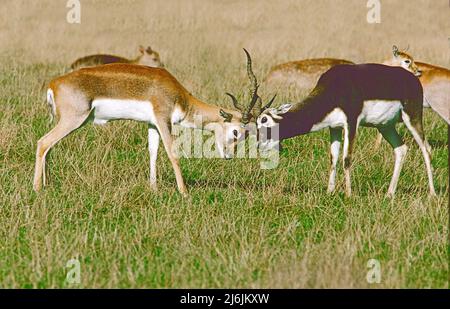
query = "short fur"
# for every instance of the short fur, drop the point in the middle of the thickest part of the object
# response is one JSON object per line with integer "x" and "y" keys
{"x": 147, "y": 57}
{"x": 72, "y": 97}
{"x": 347, "y": 88}
{"x": 303, "y": 74}
{"x": 435, "y": 82}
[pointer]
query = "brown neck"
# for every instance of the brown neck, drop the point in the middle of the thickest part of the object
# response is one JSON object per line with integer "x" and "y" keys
{"x": 208, "y": 112}
{"x": 432, "y": 74}
{"x": 426, "y": 66}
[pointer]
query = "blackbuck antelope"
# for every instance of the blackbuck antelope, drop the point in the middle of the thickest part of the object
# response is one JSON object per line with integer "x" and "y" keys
{"x": 147, "y": 57}
{"x": 141, "y": 93}
{"x": 304, "y": 74}
{"x": 345, "y": 97}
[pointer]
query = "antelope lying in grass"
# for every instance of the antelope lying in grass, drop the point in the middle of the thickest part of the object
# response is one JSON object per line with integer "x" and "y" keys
{"x": 141, "y": 93}
{"x": 345, "y": 97}
{"x": 148, "y": 57}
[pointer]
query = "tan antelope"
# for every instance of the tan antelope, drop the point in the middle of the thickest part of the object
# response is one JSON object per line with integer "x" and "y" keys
{"x": 346, "y": 97}
{"x": 147, "y": 57}
{"x": 435, "y": 82}
{"x": 302, "y": 74}
{"x": 134, "y": 92}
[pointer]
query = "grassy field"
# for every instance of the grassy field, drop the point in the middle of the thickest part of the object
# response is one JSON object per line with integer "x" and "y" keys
{"x": 240, "y": 226}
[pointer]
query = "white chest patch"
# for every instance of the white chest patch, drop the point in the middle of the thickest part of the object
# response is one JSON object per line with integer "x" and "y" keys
{"x": 334, "y": 119}
{"x": 113, "y": 109}
{"x": 376, "y": 113}
{"x": 177, "y": 116}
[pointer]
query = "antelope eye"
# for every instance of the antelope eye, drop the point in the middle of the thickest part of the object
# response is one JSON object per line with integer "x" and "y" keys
{"x": 407, "y": 61}
{"x": 235, "y": 133}
{"x": 264, "y": 119}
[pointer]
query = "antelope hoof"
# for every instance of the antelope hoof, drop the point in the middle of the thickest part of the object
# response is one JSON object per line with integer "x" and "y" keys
{"x": 183, "y": 192}
{"x": 153, "y": 186}
{"x": 390, "y": 195}
{"x": 37, "y": 187}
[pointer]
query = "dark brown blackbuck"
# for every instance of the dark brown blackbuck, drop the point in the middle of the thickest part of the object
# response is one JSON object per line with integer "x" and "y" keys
{"x": 346, "y": 97}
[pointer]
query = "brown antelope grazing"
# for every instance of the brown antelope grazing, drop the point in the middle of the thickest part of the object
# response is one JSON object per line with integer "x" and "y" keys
{"x": 302, "y": 74}
{"x": 141, "y": 93}
{"x": 148, "y": 57}
{"x": 345, "y": 97}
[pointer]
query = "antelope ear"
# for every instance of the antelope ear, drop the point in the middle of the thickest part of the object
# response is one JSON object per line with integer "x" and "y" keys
{"x": 149, "y": 50}
{"x": 395, "y": 50}
{"x": 226, "y": 116}
{"x": 283, "y": 109}
{"x": 141, "y": 49}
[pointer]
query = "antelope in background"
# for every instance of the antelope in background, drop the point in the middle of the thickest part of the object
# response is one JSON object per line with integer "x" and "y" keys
{"x": 148, "y": 57}
{"x": 302, "y": 74}
{"x": 435, "y": 82}
{"x": 345, "y": 97}
{"x": 134, "y": 92}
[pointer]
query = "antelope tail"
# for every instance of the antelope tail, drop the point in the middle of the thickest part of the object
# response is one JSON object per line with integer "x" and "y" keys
{"x": 51, "y": 104}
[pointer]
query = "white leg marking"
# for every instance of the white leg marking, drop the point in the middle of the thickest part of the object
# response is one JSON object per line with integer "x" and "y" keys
{"x": 428, "y": 147}
{"x": 44, "y": 177}
{"x": 153, "y": 144}
{"x": 335, "y": 135}
{"x": 424, "y": 150}
{"x": 348, "y": 187}
{"x": 378, "y": 141}
{"x": 400, "y": 153}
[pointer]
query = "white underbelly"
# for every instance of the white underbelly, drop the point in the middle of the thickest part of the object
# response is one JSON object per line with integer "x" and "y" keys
{"x": 336, "y": 118}
{"x": 380, "y": 113}
{"x": 113, "y": 109}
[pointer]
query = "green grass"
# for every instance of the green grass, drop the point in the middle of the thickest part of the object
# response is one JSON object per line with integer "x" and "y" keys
{"x": 239, "y": 227}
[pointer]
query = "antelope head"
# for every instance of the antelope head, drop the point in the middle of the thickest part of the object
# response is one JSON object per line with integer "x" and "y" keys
{"x": 404, "y": 60}
{"x": 228, "y": 133}
{"x": 150, "y": 57}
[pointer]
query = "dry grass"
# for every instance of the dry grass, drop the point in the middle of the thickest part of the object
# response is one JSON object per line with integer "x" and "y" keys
{"x": 241, "y": 226}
